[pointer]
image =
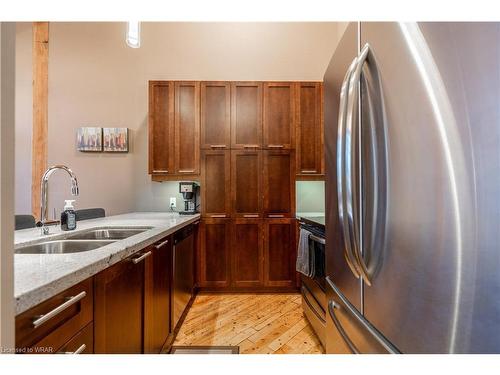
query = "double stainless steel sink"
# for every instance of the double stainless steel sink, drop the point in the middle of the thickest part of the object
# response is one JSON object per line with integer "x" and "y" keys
{"x": 83, "y": 241}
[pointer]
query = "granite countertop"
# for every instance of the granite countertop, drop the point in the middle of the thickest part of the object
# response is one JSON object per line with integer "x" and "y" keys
{"x": 38, "y": 277}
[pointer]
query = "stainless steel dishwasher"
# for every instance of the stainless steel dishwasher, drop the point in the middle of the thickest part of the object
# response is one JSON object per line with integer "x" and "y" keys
{"x": 183, "y": 272}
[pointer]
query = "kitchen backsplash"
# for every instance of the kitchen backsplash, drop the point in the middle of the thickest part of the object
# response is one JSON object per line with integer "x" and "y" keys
{"x": 310, "y": 196}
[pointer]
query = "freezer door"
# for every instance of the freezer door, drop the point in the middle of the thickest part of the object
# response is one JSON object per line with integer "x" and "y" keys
{"x": 435, "y": 285}
{"x": 347, "y": 331}
{"x": 336, "y": 264}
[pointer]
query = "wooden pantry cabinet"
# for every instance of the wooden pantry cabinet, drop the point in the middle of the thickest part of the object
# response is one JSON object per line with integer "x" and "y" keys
{"x": 279, "y": 115}
{"x": 246, "y": 183}
{"x": 215, "y": 115}
{"x": 174, "y": 130}
{"x": 216, "y": 183}
{"x": 278, "y": 183}
{"x": 246, "y": 115}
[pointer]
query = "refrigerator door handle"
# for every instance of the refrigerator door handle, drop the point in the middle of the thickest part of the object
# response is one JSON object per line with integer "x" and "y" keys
{"x": 349, "y": 256}
{"x": 331, "y": 310}
{"x": 352, "y": 204}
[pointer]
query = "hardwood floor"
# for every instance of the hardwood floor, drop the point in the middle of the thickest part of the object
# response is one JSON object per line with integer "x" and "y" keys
{"x": 257, "y": 323}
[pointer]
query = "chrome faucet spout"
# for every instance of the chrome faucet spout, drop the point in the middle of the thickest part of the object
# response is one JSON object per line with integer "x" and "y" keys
{"x": 44, "y": 193}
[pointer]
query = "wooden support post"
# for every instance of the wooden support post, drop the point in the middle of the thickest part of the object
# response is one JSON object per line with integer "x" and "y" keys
{"x": 40, "y": 110}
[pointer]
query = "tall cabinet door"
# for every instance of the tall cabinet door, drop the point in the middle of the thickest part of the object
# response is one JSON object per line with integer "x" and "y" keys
{"x": 161, "y": 127}
{"x": 216, "y": 186}
{"x": 247, "y": 257}
{"x": 279, "y": 183}
{"x": 187, "y": 128}
{"x": 246, "y": 193}
{"x": 309, "y": 129}
{"x": 215, "y": 115}
{"x": 214, "y": 264}
{"x": 246, "y": 115}
{"x": 279, "y": 115}
{"x": 279, "y": 253}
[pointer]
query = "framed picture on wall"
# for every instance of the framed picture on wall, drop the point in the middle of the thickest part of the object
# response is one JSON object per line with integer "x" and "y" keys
{"x": 115, "y": 139}
{"x": 89, "y": 139}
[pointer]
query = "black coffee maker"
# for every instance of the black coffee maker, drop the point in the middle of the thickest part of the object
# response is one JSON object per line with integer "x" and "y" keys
{"x": 189, "y": 191}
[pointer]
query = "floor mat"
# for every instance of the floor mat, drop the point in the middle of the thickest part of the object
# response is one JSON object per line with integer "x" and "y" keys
{"x": 205, "y": 350}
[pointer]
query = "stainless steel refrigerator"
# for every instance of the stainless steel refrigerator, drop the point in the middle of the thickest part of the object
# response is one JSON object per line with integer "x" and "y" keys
{"x": 412, "y": 135}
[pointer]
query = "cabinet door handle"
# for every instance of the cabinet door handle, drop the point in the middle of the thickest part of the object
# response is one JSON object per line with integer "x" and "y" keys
{"x": 79, "y": 350}
{"x": 160, "y": 171}
{"x": 141, "y": 258}
{"x": 308, "y": 171}
{"x": 251, "y": 146}
{"x": 251, "y": 215}
{"x": 159, "y": 246}
{"x": 186, "y": 170}
{"x": 217, "y": 146}
{"x": 39, "y": 320}
{"x": 275, "y": 146}
{"x": 276, "y": 215}
{"x": 217, "y": 215}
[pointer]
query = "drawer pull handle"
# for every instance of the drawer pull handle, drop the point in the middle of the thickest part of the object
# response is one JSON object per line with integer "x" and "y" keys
{"x": 217, "y": 146}
{"x": 276, "y": 146}
{"x": 251, "y": 146}
{"x": 79, "y": 350}
{"x": 160, "y": 171}
{"x": 39, "y": 320}
{"x": 186, "y": 170}
{"x": 159, "y": 246}
{"x": 217, "y": 215}
{"x": 253, "y": 215}
{"x": 308, "y": 171}
{"x": 277, "y": 215}
{"x": 141, "y": 258}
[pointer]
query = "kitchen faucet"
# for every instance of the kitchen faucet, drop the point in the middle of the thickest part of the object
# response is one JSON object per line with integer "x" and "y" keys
{"x": 44, "y": 221}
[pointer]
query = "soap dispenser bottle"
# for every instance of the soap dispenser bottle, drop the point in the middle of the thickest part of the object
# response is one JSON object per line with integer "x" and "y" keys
{"x": 68, "y": 216}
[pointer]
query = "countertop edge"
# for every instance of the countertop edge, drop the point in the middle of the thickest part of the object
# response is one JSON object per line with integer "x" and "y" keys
{"x": 33, "y": 297}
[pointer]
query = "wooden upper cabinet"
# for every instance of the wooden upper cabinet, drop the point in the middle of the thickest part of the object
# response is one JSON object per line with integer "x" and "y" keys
{"x": 215, "y": 115}
{"x": 216, "y": 186}
{"x": 279, "y": 115}
{"x": 187, "y": 128}
{"x": 214, "y": 260}
{"x": 246, "y": 115}
{"x": 309, "y": 129}
{"x": 279, "y": 183}
{"x": 247, "y": 256}
{"x": 246, "y": 193}
{"x": 279, "y": 253}
{"x": 161, "y": 127}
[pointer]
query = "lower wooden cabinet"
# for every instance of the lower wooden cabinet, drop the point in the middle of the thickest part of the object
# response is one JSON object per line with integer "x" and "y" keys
{"x": 157, "y": 306}
{"x": 279, "y": 253}
{"x": 246, "y": 254}
{"x": 81, "y": 343}
{"x": 214, "y": 253}
{"x": 119, "y": 304}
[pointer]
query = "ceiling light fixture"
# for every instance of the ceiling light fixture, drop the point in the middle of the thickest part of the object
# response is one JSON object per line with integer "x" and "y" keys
{"x": 133, "y": 37}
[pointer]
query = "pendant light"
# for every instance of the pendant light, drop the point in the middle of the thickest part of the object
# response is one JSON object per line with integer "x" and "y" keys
{"x": 133, "y": 37}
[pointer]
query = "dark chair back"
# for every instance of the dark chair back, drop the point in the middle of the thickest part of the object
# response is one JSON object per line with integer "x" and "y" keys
{"x": 89, "y": 213}
{"x": 25, "y": 221}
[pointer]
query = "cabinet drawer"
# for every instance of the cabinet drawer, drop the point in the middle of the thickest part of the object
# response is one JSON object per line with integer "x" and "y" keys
{"x": 54, "y": 322}
{"x": 81, "y": 343}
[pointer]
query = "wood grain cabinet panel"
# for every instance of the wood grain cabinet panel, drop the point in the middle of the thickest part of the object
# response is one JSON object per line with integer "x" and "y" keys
{"x": 187, "y": 128}
{"x": 157, "y": 305}
{"x": 161, "y": 127}
{"x": 215, "y": 115}
{"x": 214, "y": 261}
{"x": 279, "y": 253}
{"x": 246, "y": 115}
{"x": 119, "y": 302}
{"x": 309, "y": 129}
{"x": 246, "y": 171}
{"x": 49, "y": 336}
{"x": 279, "y": 183}
{"x": 216, "y": 183}
{"x": 81, "y": 343}
{"x": 247, "y": 254}
{"x": 279, "y": 115}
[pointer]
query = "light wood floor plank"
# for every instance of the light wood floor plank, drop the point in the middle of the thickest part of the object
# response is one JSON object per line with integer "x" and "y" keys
{"x": 257, "y": 323}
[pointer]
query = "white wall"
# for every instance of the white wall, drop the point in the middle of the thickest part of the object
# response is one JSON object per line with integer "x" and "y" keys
{"x": 7, "y": 90}
{"x": 96, "y": 80}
